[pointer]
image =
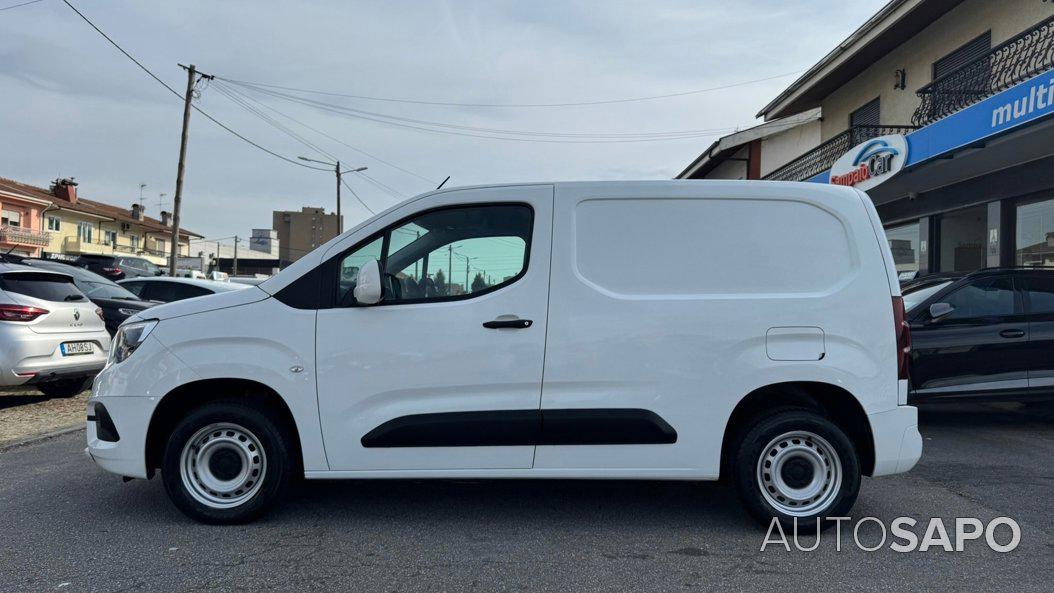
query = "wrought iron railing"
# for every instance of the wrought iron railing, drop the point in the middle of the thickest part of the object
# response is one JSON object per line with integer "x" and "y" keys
{"x": 1016, "y": 60}
{"x": 23, "y": 236}
{"x": 821, "y": 158}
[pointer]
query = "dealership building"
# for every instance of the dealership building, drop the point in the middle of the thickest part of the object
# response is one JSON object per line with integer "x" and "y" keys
{"x": 940, "y": 110}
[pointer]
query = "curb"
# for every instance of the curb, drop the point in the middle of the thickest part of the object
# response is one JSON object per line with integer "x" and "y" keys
{"x": 32, "y": 440}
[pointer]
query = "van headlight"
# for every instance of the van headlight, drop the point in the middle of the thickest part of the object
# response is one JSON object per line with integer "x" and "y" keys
{"x": 129, "y": 337}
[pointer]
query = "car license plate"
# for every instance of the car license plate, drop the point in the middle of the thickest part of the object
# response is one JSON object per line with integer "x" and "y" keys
{"x": 74, "y": 348}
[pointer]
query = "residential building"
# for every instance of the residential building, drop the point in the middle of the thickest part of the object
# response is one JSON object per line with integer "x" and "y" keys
{"x": 940, "y": 110}
{"x": 301, "y": 232}
{"x": 21, "y": 225}
{"x": 78, "y": 226}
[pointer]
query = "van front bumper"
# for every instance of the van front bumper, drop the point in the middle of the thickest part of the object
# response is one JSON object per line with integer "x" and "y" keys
{"x": 127, "y": 419}
{"x": 898, "y": 444}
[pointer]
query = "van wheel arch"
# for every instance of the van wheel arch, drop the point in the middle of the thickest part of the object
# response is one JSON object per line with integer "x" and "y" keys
{"x": 180, "y": 401}
{"x": 832, "y": 401}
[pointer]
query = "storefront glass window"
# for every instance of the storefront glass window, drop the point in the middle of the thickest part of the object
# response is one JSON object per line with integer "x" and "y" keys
{"x": 963, "y": 236}
{"x": 904, "y": 243}
{"x": 1034, "y": 240}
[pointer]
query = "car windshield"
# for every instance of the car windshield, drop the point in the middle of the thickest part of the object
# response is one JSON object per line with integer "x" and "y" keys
{"x": 913, "y": 298}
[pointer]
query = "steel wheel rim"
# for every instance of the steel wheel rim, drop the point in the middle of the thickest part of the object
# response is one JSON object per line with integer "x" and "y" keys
{"x": 805, "y": 453}
{"x": 207, "y": 465}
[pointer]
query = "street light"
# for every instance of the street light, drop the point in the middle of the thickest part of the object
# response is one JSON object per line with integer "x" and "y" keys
{"x": 336, "y": 167}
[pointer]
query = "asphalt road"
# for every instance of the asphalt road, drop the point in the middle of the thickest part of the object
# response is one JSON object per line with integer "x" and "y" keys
{"x": 66, "y": 526}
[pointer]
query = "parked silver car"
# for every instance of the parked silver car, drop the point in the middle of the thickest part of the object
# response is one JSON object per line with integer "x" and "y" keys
{"x": 51, "y": 335}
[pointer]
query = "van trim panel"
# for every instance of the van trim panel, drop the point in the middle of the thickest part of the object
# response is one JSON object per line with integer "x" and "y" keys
{"x": 601, "y": 426}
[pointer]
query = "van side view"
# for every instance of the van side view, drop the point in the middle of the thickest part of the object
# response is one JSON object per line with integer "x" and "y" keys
{"x": 668, "y": 330}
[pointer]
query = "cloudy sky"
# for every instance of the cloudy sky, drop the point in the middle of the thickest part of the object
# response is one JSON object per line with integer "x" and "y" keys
{"x": 71, "y": 105}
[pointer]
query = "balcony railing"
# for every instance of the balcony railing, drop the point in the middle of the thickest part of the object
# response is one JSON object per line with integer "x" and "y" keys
{"x": 14, "y": 235}
{"x": 821, "y": 158}
{"x": 1014, "y": 61}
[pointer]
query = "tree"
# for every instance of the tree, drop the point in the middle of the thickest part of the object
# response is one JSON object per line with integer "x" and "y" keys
{"x": 440, "y": 282}
{"x": 479, "y": 282}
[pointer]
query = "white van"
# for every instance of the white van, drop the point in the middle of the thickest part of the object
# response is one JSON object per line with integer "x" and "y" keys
{"x": 673, "y": 330}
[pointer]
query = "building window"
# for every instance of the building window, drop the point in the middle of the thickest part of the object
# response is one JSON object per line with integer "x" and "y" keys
{"x": 904, "y": 242}
{"x": 109, "y": 237}
{"x": 10, "y": 218}
{"x": 54, "y": 223}
{"x": 963, "y": 235}
{"x": 85, "y": 232}
{"x": 868, "y": 115}
{"x": 966, "y": 54}
{"x": 134, "y": 240}
{"x": 1034, "y": 239}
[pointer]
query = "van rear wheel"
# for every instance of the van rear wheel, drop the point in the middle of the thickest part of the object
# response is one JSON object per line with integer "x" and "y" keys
{"x": 227, "y": 462}
{"x": 796, "y": 465}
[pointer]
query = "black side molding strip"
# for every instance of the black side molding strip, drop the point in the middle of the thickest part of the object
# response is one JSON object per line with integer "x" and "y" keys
{"x": 615, "y": 426}
{"x": 457, "y": 429}
{"x": 496, "y": 428}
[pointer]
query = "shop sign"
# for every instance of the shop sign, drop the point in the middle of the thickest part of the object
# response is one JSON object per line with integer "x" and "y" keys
{"x": 871, "y": 163}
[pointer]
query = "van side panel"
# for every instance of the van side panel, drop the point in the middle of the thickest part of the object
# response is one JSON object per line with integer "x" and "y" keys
{"x": 665, "y": 298}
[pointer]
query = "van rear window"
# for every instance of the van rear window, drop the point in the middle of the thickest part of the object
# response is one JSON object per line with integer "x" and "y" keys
{"x": 703, "y": 246}
{"x": 48, "y": 287}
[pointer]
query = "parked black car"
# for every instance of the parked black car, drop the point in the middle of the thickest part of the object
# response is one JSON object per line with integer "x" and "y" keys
{"x": 118, "y": 267}
{"x": 987, "y": 335}
{"x": 116, "y": 302}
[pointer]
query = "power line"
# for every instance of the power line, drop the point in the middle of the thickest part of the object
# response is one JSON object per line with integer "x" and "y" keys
{"x": 489, "y": 134}
{"x": 178, "y": 94}
{"x": 20, "y": 4}
{"x": 516, "y": 105}
{"x": 272, "y": 122}
{"x": 368, "y": 209}
{"x": 505, "y": 134}
{"x": 234, "y": 91}
{"x": 382, "y": 186}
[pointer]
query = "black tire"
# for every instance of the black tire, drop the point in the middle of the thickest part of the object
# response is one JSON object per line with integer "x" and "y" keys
{"x": 64, "y": 387}
{"x": 242, "y": 418}
{"x": 835, "y": 498}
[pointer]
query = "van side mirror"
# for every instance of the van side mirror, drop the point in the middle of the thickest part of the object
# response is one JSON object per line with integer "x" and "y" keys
{"x": 939, "y": 310}
{"x": 368, "y": 284}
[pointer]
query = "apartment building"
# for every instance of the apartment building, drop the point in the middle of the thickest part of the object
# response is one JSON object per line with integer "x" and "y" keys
{"x": 940, "y": 110}
{"x": 57, "y": 222}
{"x": 301, "y": 232}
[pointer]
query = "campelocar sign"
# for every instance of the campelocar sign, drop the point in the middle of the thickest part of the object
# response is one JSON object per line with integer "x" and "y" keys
{"x": 870, "y": 163}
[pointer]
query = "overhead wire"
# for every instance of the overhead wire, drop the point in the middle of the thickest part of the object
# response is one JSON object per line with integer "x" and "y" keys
{"x": 180, "y": 95}
{"x": 495, "y": 133}
{"x": 234, "y": 90}
{"x": 20, "y": 4}
{"x": 515, "y": 105}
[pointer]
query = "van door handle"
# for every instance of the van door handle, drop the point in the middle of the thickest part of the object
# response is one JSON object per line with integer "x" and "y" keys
{"x": 1012, "y": 333}
{"x": 508, "y": 324}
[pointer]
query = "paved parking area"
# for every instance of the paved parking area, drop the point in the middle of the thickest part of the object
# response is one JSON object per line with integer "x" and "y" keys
{"x": 66, "y": 526}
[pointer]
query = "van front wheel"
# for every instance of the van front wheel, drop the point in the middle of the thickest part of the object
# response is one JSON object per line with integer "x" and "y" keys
{"x": 227, "y": 462}
{"x": 796, "y": 465}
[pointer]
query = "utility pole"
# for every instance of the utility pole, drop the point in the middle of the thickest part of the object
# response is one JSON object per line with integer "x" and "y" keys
{"x": 450, "y": 268}
{"x": 235, "y": 266}
{"x": 192, "y": 78}
{"x": 340, "y": 221}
